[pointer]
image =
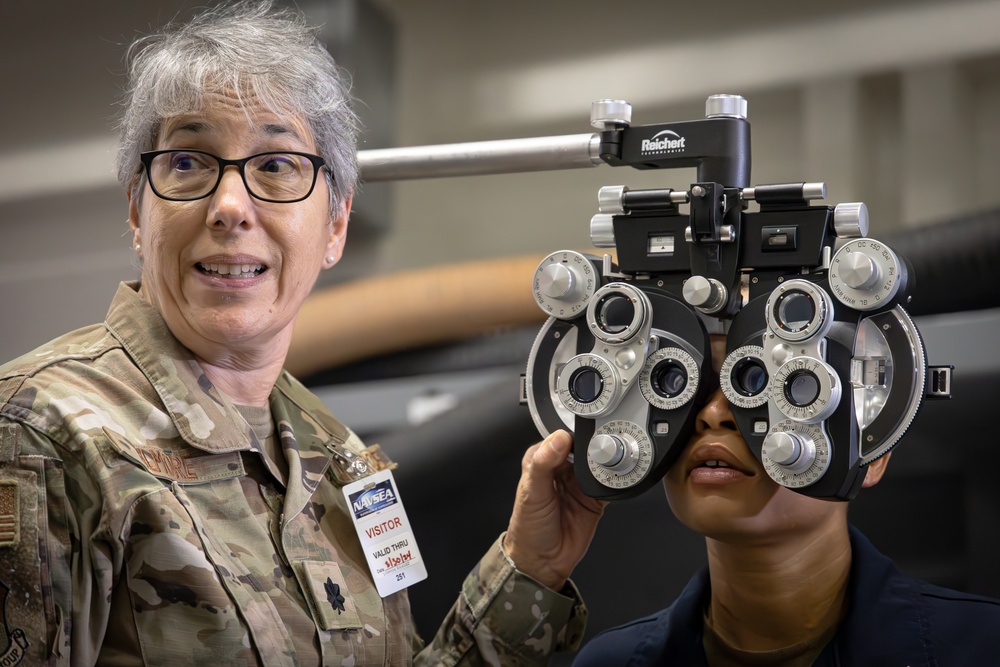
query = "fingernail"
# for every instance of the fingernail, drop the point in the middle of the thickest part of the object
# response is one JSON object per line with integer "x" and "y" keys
{"x": 560, "y": 442}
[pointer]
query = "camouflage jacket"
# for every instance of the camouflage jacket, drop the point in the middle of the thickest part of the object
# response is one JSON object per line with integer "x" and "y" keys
{"x": 125, "y": 532}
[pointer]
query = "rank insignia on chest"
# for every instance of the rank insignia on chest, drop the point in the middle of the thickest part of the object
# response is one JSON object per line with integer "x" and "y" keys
{"x": 333, "y": 595}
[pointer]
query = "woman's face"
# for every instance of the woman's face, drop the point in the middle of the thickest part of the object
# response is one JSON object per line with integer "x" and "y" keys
{"x": 190, "y": 249}
{"x": 719, "y": 489}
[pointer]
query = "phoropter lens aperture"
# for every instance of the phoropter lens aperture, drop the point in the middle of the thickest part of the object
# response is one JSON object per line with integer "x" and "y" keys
{"x": 749, "y": 377}
{"x": 615, "y": 313}
{"x": 586, "y": 384}
{"x": 799, "y": 310}
{"x": 801, "y": 388}
{"x": 668, "y": 378}
{"x": 794, "y": 311}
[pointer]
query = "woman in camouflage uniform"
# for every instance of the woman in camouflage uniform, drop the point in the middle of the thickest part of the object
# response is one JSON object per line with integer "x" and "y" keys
{"x": 168, "y": 494}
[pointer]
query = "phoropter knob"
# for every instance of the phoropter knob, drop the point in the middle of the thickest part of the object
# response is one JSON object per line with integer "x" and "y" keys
{"x": 563, "y": 284}
{"x": 850, "y": 220}
{"x": 858, "y": 271}
{"x": 794, "y": 452}
{"x": 866, "y": 275}
{"x": 706, "y": 294}
{"x": 726, "y": 106}
{"x": 602, "y": 230}
{"x": 609, "y": 114}
{"x": 617, "y": 452}
{"x": 555, "y": 281}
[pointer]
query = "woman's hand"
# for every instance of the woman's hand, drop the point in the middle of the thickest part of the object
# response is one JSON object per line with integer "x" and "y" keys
{"x": 553, "y": 520}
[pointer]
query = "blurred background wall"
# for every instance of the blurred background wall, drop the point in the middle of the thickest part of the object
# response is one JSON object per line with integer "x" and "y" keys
{"x": 890, "y": 102}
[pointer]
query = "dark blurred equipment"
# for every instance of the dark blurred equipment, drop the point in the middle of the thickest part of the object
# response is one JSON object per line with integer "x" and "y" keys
{"x": 954, "y": 263}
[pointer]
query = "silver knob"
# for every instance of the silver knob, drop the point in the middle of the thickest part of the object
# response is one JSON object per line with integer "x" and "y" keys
{"x": 609, "y": 114}
{"x": 726, "y": 106}
{"x": 563, "y": 284}
{"x": 706, "y": 294}
{"x": 858, "y": 271}
{"x": 602, "y": 230}
{"x": 606, "y": 450}
{"x": 850, "y": 220}
{"x": 617, "y": 453}
{"x": 793, "y": 451}
{"x": 610, "y": 199}
{"x": 555, "y": 281}
{"x": 814, "y": 190}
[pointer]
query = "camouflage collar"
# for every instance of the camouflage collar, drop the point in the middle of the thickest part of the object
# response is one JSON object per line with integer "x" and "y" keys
{"x": 203, "y": 415}
{"x": 309, "y": 404}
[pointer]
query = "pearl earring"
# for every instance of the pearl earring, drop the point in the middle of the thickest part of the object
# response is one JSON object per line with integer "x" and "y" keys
{"x": 137, "y": 247}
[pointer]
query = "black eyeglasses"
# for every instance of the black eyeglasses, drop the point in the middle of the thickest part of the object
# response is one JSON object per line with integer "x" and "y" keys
{"x": 186, "y": 175}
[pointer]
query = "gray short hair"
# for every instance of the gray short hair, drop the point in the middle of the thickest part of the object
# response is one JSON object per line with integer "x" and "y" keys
{"x": 250, "y": 47}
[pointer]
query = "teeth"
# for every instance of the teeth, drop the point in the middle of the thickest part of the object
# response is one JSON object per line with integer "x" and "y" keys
{"x": 237, "y": 270}
{"x": 717, "y": 464}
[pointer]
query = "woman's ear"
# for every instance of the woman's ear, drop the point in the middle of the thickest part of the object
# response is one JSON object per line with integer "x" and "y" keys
{"x": 133, "y": 221}
{"x": 338, "y": 233}
{"x": 875, "y": 471}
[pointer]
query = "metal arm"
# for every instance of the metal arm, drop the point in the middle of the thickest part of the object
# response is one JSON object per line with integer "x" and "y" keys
{"x": 505, "y": 156}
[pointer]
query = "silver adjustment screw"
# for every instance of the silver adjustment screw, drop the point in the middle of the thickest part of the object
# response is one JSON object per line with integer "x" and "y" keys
{"x": 706, "y": 294}
{"x": 602, "y": 230}
{"x": 850, "y": 220}
{"x": 610, "y": 199}
{"x": 726, "y": 106}
{"x": 610, "y": 114}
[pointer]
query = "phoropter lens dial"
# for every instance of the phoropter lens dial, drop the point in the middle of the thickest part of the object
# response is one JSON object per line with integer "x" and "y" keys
{"x": 806, "y": 390}
{"x": 669, "y": 378}
{"x": 798, "y": 310}
{"x": 617, "y": 312}
{"x": 743, "y": 377}
{"x": 588, "y": 385}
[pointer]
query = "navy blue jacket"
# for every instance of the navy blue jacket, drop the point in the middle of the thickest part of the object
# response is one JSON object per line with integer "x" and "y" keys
{"x": 892, "y": 619}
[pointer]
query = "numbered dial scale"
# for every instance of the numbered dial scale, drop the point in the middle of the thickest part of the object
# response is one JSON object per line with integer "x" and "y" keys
{"x": 866, "y": 275}
{"x": 563, "y": 284}
{"x": 795, "y": 454}
{"x": 620, "y": 454}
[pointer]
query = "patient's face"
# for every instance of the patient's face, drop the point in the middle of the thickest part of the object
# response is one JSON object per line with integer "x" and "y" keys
{"x": 719, "y": 489}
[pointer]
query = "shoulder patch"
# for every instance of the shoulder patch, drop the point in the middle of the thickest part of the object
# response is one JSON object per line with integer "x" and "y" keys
{"x": 16, "y": 642}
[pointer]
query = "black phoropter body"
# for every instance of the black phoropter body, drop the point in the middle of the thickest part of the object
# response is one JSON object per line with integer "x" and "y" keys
{"x": 824, "y": 368}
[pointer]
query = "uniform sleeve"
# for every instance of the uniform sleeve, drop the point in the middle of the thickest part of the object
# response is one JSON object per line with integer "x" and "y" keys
{"x": 55, "y": 582}
{"x": 505, "y": 618}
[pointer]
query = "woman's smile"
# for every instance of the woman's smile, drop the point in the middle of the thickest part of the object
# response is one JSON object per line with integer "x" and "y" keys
{"x": 231, "y": 271}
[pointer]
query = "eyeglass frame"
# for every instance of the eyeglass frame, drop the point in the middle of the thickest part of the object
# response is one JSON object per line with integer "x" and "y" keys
{"x": 318, "y": 164}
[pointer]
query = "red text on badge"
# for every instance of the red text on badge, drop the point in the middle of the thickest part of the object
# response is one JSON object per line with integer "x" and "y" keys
{"x": 383, "y": 527}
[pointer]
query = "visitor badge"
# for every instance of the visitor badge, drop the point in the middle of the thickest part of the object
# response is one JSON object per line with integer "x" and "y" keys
{"x": 385, "y": 533}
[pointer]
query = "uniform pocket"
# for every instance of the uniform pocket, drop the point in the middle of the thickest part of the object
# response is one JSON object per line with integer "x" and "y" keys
{"x": 332, "y": 603}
